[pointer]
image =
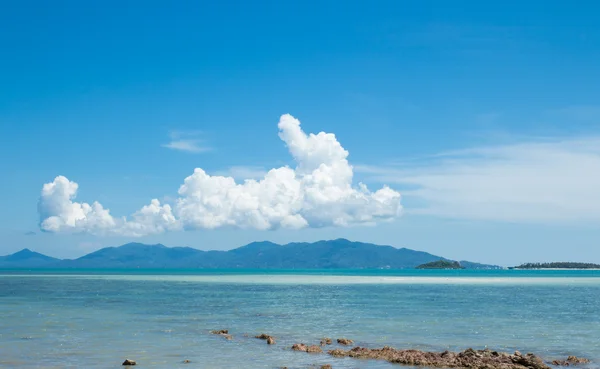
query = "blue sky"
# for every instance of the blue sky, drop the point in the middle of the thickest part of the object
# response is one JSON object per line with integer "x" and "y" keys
{"x": 485, "y": 118}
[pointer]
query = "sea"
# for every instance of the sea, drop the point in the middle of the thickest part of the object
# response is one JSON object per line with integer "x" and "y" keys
{"x": 161, "y": 318}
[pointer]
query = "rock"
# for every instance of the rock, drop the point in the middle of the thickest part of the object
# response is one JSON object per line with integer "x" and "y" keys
{"x": 299, "y": 347}
{"x": 571, "y": 360}
{"x": 186, "y": 361}
{"x": 475, "y": 359}
{"x": 129, "y": 362}
{"x": 224, "y": 333}
{"x": 577, "y": 360}
{"x": 326, "y": 366}
{"x": 314, "y": 349}
{"x": 326, "y": 341}
{"x": 344, "y": 341}
{"x": 263, "y": 336}
{"x": 302, "y": 347}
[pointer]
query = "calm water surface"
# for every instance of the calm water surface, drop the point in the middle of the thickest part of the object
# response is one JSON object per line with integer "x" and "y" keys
{"x": 96, "y": 319}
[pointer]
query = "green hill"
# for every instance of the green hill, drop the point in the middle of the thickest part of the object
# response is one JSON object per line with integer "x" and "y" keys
{"x": 441, "y": 264}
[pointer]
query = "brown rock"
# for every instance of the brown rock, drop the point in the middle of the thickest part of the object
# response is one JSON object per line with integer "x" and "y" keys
{"x": 186, "y": 361}
{"x": 475, "y": 359}
{"x": 326, "y": 341}
{"x": 270, "y": 339}
{"x": 304, "y": 348}
{"x": 299, "y": 347}
{"x": 577, "y": 360}
{"x": 571, "y": 360}
{"x": 222, "y": 332}
{"x": 263, "y": 336}
{"x": 314, "y": 349}
{"x": 129, "y": 362}
{"x": 345, "y": 341}
{"x": 326, "y": 366}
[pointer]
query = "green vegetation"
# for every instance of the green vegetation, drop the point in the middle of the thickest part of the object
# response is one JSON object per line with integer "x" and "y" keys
{"x": 558, "y": 265}
{"x": 441, "y": 264}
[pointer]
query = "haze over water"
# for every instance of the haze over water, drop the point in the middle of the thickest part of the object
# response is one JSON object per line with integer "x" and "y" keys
{"x": 160, "y": 318}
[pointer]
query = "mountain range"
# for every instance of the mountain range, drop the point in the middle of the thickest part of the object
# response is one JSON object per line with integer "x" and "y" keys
{"x": 329, "y": 254}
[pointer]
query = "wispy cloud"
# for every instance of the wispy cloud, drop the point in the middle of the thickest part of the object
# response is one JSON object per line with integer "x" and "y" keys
{"x": 188, "y": 141}
{"x": 578, "y": 112}
{"x": 540, "y": 181}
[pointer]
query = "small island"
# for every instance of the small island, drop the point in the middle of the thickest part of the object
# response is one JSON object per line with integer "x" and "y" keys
{"x": 558, "y": 265}
{"x": 441, "y": 264}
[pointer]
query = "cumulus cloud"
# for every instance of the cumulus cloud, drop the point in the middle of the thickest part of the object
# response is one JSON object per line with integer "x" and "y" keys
{"x": 318, "y": 192}
{"x": 244, "y": 172}
{"x": 550, "y": 182}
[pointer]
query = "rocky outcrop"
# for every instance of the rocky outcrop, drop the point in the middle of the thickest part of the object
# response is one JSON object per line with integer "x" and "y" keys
{"x": 326, "y": 341}
{"x": 571, "y": 360}
{"x": 345, "y": 341}
{"x": 129, "y": 362}
{"x": 480, "y": 359}
{"x": 304, "y": 348}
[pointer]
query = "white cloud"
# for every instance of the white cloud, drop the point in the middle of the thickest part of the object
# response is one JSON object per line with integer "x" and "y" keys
{"x": 552, "y": 181}
{"x": 186, "y": 141}
{"x": 241, "y": 172}
{"x": 317, "y": 193}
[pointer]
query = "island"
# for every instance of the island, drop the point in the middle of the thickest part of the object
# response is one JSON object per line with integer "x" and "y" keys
{"x": 558, "y": 265}
{"x": 441, "y": 264}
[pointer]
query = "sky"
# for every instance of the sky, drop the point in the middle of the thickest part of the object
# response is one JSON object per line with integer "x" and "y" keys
{"x": 466, "y": 129}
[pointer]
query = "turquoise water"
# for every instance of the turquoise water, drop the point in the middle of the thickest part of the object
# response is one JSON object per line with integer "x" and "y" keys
{"x": 96, "y": 319}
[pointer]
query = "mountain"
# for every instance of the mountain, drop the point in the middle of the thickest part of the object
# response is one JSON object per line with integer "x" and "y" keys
{"x": 332, "y": 254}
{"x": 26, "y": 259}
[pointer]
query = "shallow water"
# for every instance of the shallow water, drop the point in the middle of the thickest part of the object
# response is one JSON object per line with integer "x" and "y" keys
{"x": 51, "y": 319}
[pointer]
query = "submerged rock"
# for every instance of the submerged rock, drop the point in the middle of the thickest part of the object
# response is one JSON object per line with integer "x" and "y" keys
{"x": 571, "y": 360}
{"x": 476, "y": 359}
{"x": 326, "y": 366}
{"x": 270, "y": 341}
{"x": 129, "y": 362}
{"x": 345, "y": 341}
{"x": 326, "y": 341}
